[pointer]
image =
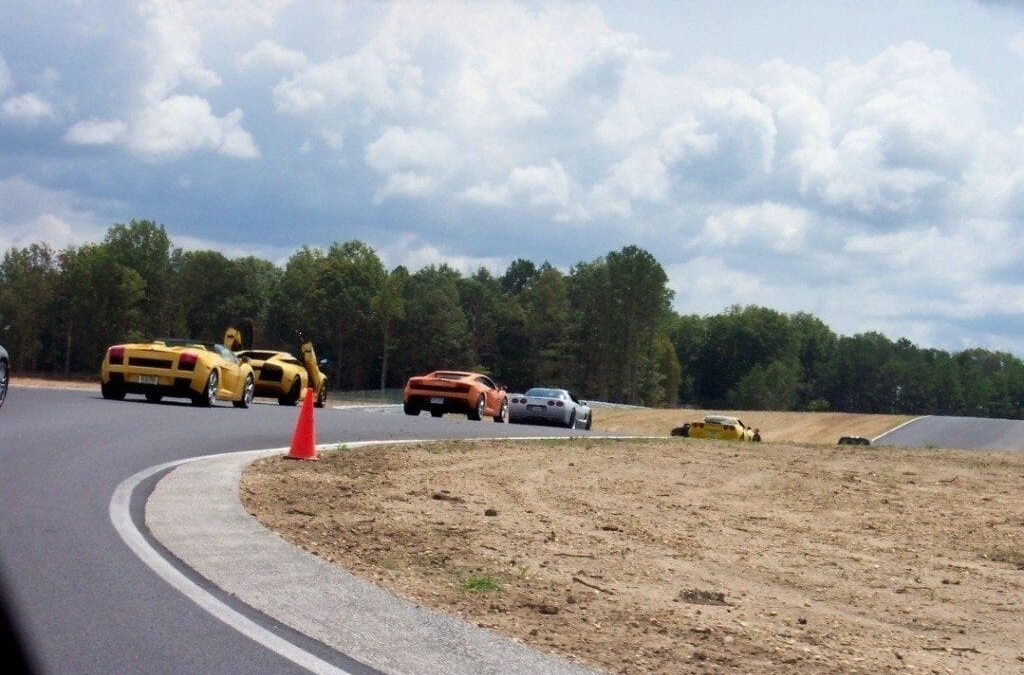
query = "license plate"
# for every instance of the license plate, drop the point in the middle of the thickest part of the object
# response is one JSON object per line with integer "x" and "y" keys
{"x": 437, "y": 400}
{"x": 538, "y": 408}
{"x": 149, "y": 379}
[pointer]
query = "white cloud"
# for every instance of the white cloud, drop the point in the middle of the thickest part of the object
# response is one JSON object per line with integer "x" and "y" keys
{"x": 769, "y": 225}
{"x": 174, "y": 48}
{"x": 399, "y": 148}
{"x": 96, "y": 132}
{"x": 5, "y": 75}
{"x": 31, "y": 213}
{"x": 27, "y": 109}
{"x": 180, "y": 124}
{"x": 411, "y": 251}
{"x": 268, "y": 54}
{"x": 1016, "y": 44}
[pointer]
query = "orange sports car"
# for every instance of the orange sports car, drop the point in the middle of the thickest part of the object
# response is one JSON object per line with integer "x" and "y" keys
{"x": 470, "y": 394}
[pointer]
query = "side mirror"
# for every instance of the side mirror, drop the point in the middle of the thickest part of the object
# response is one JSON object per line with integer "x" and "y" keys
{"x": 583, "y": 402}
{"x": 323, "y": 362}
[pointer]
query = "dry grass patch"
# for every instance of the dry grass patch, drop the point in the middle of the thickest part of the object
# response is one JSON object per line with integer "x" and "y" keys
{"x": 680, "y": 555}
{"x": 795, "y": 427}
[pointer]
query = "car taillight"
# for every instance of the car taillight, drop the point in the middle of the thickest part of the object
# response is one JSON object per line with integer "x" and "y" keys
{"x": 116, "y": 355}
{"x": 187, "y": 361}
{"x": 560, "y": 404}
{"x": 551, "y": 402}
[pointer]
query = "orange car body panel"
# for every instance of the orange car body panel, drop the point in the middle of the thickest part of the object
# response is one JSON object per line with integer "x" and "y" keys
{"x": 456, "y": 389}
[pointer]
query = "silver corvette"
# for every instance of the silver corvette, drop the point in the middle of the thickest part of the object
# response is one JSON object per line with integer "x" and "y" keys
{"x": 549, "y": 406}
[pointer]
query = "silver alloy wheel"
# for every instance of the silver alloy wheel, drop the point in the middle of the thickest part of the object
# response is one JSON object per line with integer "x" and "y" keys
{"x": 480, "y": 407}
{"x": 211, "y": 388}
{"x": 502, "y": 413}
{"x": 5, "y": 377}
{"x": 250, "y": 390}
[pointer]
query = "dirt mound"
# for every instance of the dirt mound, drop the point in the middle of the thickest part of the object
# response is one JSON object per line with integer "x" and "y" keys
{"x": 683, "y": 555}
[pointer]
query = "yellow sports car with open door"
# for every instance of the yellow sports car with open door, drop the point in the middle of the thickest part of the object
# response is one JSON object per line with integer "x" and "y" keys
{"x": 720, "y": 427}
{"x": 204, "y": 372}
{"x": 279, "y": 374}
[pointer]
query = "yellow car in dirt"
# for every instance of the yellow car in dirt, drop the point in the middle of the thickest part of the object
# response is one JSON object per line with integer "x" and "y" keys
{"x": 204, "y": 372}
{"x": 719, "y": 427}
{"x": 279, "y": 374}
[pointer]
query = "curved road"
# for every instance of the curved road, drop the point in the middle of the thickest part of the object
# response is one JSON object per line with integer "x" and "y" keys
{"x": 82, "y": 602}
{"x": 974, "y": 433}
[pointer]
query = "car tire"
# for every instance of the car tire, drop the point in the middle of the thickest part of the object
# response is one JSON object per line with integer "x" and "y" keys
{"x": 292, "y": 397}
{"x": 410, "y": 408}
{"x": 571, "y": 424}
{"x": 321, "y": 396}
{"x": 248, "y": 393}
{"x": 5, "y": 381}
{"x": 502, "y": 415}
{"x": 590, "y": 421}
{"x": 477, "y": 413}
{"x": 154, "y": 396}
{"x": 436, "y": 413}
{"x": 112, "y": 391}
{"x": 208, "y": 396}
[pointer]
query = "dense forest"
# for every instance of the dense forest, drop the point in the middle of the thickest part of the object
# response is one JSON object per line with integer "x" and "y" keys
{"x": 605, "y": 329}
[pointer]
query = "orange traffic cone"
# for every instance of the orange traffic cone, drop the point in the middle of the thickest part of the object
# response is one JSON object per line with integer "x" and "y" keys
{"x": 304, "y": 440}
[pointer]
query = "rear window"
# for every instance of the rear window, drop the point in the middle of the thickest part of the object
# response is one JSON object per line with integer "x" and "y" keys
{"x": 545, "y": 393}
{"x": 449, "y": 376}
{"x": 259, "y": 356}
{"x": 711, "y": 419}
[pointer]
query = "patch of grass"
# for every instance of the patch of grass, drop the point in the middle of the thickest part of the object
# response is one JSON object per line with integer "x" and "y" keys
{"x": 341, "y": 447}
{"x": 480, "y": 583}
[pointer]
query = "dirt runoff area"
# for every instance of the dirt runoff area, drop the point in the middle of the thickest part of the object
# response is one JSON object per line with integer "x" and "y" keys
{"x": 682, "y": 555}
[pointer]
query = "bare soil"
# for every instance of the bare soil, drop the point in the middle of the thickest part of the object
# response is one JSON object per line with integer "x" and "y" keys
{"x": 683, "y": 555}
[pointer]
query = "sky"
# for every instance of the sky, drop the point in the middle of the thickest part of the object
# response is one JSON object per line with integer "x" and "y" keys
{"x": 859, "y": 160}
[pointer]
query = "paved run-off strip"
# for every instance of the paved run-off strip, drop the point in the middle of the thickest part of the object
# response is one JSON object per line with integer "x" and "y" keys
{"x": 196, "y": 513}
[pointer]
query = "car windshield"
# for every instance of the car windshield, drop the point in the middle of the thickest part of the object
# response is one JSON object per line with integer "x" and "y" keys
{"x": 184, "y": 342}
{"x": 259, "y": 356}
{"x": 545, "y": 393}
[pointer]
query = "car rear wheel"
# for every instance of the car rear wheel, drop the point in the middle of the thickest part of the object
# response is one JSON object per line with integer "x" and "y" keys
{"x": 502, "y": 415}
{"x": 436, "y": 413}
{"x": 154, "y": 396}
{"x": 248, "y": 393}
{"x": 590, "y": 421}
{"x": 209, "y": 393}
{"x": 5, "y": 381}
{"x": 321, "y": 396}
{"x": 477, "y": 413}
{"x": 411, "y": 408}
{"x": 292, "y": 397}
{"x": 572, "y": 420}
{"x": 112, "y": 391}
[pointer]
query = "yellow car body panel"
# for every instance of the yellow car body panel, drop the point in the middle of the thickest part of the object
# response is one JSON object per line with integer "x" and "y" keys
{"x": 174, "y": 368}
{"x": 277, "y": 372}
{"x": 722, "y": 428}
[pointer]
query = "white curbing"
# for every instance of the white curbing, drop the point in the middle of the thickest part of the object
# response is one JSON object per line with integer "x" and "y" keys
{"x": 898, "y": 427}
{"x": 195, "y": 511}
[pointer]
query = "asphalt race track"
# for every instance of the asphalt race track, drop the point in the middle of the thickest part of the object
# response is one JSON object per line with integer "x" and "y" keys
{"x": 82, "y": 602}
{"x": 974, "y": 433}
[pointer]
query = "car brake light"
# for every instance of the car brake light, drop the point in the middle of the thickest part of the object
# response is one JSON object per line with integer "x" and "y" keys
{"x": 560, "y": 404}
{"x": 551, "y": 402}
{"x": 187, "y": 361}
{"x": 116, "y": 355}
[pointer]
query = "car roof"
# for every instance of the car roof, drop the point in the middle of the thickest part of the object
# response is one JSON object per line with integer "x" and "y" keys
{"x": 721, "y": 419}
{"x": 451, "y": 375}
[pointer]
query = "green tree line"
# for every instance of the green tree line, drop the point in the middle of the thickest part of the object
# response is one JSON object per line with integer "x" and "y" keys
{"x": 605, "y": 329}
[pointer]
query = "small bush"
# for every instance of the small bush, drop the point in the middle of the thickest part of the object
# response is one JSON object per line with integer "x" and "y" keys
{"x": 480, "y": 584}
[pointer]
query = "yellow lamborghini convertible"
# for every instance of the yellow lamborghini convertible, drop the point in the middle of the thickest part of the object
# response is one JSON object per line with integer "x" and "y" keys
{"x": 280, "y": 375}
{"x": 204, "y": 372}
